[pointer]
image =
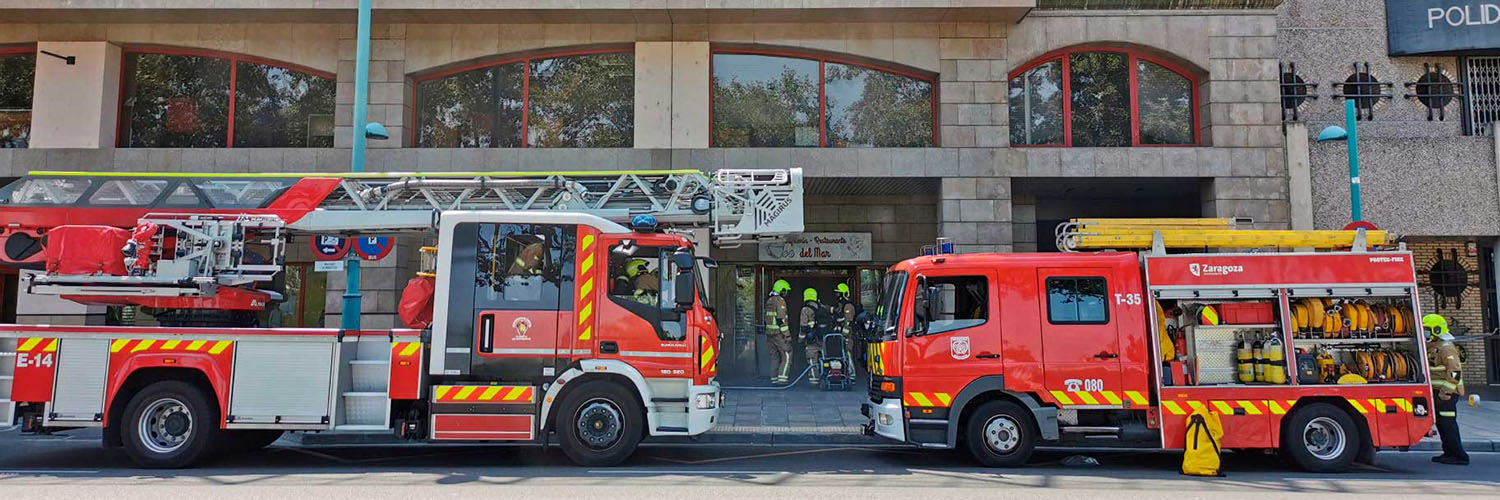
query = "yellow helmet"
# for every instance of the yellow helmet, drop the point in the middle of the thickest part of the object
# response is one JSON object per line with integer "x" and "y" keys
{"x": 810, "y": 295}
{"x": 781, "y": 287}
{"x": 1208, "y": 316}
{"x": 635, "y": 266}
{"x": 1435, "y": 324}
{"x": 842, "y": 289}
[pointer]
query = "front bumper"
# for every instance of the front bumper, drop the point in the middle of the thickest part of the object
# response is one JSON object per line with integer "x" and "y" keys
{"x": 700, "y": 420}
{"x": 885, "y": 419}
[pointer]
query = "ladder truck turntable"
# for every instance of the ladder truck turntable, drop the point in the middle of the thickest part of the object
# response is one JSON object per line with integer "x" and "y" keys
{"x": 527, "y": 339}
{"x": 998, "y": 353}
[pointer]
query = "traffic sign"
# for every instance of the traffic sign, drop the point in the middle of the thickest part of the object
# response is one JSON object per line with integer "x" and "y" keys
{"x": 374, "y": 247}
{"x": 326, "y": 247}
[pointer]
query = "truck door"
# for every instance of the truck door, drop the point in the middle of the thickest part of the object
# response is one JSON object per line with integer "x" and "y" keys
{"x": 521, "y": 295}
{"x": 1080, "y": 339}
{"x": 958, "y": 344}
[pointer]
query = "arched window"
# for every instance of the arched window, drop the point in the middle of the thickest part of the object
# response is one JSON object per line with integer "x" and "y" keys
{"x": 773, "y": 99}
{"x": 1102, "y": 97}
{"x": 17, "y": 72}
{"x": 187, "y": 98}
{"x": 579, "y": 99}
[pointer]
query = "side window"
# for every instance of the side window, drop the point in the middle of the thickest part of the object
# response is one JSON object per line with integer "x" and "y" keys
{"x": 961, "y": 302}
{"x": 636, "y": 277}
{"x": 1077, "y": 301}
{"x": 522, "y": 267}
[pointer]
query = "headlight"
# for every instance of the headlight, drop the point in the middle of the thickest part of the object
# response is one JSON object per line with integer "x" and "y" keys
{"x": 836, "y": 364}
{"x": 885, "y": 419}
{"x": 707, "y": 401}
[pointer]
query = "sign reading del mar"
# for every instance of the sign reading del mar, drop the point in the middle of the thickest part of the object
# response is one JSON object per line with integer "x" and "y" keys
{"x": 818, "y": 247}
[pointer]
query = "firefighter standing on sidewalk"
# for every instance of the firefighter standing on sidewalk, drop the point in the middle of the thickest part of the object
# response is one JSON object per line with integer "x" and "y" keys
{"x": 1447, "y": 388}
{"x": 813, "y": 321}
{"x": 844, "y": 313}
{"x": 778, "y": 332}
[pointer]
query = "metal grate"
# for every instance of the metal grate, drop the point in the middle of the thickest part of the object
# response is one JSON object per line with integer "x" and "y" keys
{"x": 1483, "y": 78}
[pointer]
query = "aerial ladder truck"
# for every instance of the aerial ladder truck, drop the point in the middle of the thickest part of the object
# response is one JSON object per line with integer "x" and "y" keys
{"x": 561, "y": 308}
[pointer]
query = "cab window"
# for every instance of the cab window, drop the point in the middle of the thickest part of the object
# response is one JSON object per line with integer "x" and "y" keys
{"x": 641, "y": 283}
{"x": 522, "y": 266}
{"x": 1077, "y": 301}
{"x": 888, "y": 310}
{"x": 960, "y": 302}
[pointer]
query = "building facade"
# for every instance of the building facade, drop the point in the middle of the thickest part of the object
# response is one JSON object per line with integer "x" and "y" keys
{"x": 986, "y": 122}
{"x": 1425, "y": 78}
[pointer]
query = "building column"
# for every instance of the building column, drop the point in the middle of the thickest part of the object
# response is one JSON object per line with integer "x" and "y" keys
{"x": 975, "y": 213}
{"x": 76, "y": 105}
{"x": 1299, "y": 175}
{"x": 671, "y": 95}
{"x": 389, "y": 89}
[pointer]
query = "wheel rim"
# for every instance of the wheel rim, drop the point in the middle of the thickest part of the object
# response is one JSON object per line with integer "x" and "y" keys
{"x": 166, "y": 425}
{"x": 600, "y": 423}
{"x": 1002, "y": 434}
{"x": 1324, "y": 438}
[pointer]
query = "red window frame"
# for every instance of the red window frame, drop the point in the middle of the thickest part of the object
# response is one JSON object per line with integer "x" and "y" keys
{"x": 234, "y": 60}
{"x": 822, "y": 59}
{"x": 1132, "y": 58}
{"x": 483, "y": 63}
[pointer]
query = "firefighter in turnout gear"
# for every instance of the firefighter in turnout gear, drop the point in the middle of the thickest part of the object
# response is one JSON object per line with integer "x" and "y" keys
{"x": 1447, "y": 387}
{"x": 844, "y": 317}
{"x": 815, "y": 321}
{"x": 646, "y": 285}
{"x": 778, "y": 331}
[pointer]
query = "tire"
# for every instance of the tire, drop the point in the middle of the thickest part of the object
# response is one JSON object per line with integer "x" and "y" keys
{"x": 1321, "y": 438}
{"x": 169, "y": 425}
{"x": 1001, "y": 434}
{"x": 600, "y": 424}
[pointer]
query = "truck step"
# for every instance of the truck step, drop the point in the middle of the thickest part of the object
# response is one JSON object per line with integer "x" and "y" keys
{"x": 671, "y": 429}
{"x": 362, "y": 428}
{"x": 669, "y": 400}
{"x": 364, "y": 394}
{"x": 369, "y": 362}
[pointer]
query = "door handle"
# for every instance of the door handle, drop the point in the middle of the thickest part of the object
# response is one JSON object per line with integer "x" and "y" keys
{"x": 1106, "y": 355}
{"x": 487, "y": 334}
{"x": 988, "y": 356}
{"x": 609, "y": 347}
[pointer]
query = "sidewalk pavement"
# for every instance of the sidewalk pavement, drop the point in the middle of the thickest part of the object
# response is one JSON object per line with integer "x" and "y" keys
{"x": 1479, "y": 427}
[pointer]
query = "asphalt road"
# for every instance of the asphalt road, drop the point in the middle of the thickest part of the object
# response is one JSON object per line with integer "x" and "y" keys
{"x": 73, "y": 465}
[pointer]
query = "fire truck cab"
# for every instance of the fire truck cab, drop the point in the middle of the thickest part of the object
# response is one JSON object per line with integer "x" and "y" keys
{"x": 1000, "y": 353}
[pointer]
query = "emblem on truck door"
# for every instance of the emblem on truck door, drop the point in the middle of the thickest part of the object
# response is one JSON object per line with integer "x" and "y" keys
{"x": 958, "y": 347}
{"x": 521, "y": 324}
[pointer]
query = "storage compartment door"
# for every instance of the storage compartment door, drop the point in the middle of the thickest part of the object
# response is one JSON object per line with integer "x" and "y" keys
{"x": 281, "y": 382}
{"x": 1247, "y": 423}
{"x": 78, "y": 393}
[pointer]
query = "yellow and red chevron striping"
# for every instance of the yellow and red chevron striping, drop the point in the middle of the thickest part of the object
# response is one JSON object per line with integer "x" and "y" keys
{"x": 36, "y": 344}
{"x": 928, "y": 399}
{"x": 214, "y": 347}
{"x": 484, "y": 394}
{"x": 1100, "y": 398}
{"x": 585, "y": 300}
{"x": 1278, "y": 407}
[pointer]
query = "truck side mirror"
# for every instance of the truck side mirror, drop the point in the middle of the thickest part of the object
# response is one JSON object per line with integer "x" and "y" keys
{"x": 683, "y": 285}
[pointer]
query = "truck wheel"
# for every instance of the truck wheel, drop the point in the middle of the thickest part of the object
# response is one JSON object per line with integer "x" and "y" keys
{"x": 1001, "y": 434}
{"x": 1321, "y": 438}
{"x": 600, "y": 424}
{"x": 169, "y": 424}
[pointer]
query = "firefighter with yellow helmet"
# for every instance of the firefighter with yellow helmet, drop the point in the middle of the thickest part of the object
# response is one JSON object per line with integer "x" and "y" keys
{"x": 778, "y": 331}
{"x": 814, "y": 323}
{"x": 1447, "y": 387}
{"x": 844, "y": 317}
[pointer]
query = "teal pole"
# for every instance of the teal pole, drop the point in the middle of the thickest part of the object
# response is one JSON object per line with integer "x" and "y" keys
{"x": 1356, "y": 211}
{"x": 352, "y": 296}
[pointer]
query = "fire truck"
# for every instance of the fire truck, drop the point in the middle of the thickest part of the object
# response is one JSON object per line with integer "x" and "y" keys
{"x": 536, "y": 315}
{"x": 1314, "y": 351}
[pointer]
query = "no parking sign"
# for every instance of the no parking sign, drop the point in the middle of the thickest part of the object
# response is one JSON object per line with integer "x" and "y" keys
{"x": 328, "y": 247}
{"x": 374, "y": 247}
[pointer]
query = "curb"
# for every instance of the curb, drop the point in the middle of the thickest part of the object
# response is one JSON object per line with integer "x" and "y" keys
{"x": 1475, "y": 445}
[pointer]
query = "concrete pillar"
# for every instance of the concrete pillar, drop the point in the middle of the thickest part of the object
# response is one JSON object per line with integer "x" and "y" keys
{"x": 671, "y": 95}
{"x": 975, "y": 213}
{"x": 1299, "y": 175}
{"x": 76, "y": 106}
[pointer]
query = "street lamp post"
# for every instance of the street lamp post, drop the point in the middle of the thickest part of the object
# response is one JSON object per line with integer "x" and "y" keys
{"x": 1349, "y": 133}
{"x": 362, "y": 131}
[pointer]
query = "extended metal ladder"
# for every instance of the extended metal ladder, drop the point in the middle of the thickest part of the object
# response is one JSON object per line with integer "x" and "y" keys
{"x": 1161, "y": 234}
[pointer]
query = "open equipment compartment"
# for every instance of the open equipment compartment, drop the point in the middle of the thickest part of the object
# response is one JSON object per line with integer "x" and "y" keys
{"x": 1227, "y": 337}
{"x": 1349, "y": 335}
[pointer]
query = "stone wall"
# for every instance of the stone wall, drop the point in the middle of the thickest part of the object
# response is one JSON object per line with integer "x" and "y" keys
{"x": 1465, "y": 313}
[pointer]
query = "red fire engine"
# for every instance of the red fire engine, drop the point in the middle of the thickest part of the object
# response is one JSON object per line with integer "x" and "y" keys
{"x": 1314, "y": 353}
{"x": 547, "y": 316}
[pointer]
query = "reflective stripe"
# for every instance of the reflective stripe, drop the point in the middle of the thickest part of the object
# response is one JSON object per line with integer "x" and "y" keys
{"x": 1062, "y": 397}
{"x": 1357, "y": 406}
{"x": 921, "y": 399}
{"x": 656, "y": 354}
{"x": 1137, "y": 398}
{"x": 1448, "y": 414}
{"x": 1112, "y": 398}
{"x": 410, "y": 349}
{"x": 1171, "y": 406}
{"x": 1250, "y": 407}
{"x": 944, "y": 398}
{"x": 219, "y": 347}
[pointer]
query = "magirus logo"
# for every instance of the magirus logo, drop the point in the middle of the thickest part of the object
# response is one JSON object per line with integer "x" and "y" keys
{"x": 1213, "y": 270}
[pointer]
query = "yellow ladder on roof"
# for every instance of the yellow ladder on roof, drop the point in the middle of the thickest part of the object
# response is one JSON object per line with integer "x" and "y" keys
{"x": 1121, "y": 234}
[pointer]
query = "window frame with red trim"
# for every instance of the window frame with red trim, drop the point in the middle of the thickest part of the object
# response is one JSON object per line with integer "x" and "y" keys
{"x": 21, "y": 50}
{"x": 1133, "y": 57}
{"x": 233, "y": 60}
{"x": 525, "y": 59}
{"x": 822, "y": 59}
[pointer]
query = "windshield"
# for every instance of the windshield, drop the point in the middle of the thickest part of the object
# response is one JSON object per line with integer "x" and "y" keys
{"x": 889, "y": 310}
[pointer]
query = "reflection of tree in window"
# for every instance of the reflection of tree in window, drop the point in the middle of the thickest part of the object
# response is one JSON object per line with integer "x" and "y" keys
{"x": 1036, "y": 105}
{"x": 582, "y": 101}
{"x": 868, "y": 107}
{"x": 1076, "y": 301}
{"x": 1165, "y": 99}
{"x": 764, "y": 101}
{"x": 278, "y": 107}
{"x": 17, "y": 72}
{"x": 173, "y": 101}
{"x": 473, "y": 109}
{"x": 1100, "y": 87}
